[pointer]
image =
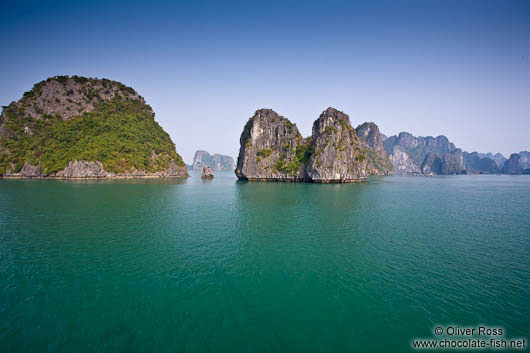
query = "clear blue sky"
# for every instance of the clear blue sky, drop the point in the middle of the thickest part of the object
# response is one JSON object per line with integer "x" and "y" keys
{"x": 457, "y": 68}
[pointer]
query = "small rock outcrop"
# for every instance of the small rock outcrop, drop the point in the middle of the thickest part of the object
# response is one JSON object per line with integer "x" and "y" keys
{"x": 84, "y": 169}
{"x": 206, "y": 173}
{"x": 30, "y": 171}
{"x": 273, "y": 149}
{"x": 217, "y": 162}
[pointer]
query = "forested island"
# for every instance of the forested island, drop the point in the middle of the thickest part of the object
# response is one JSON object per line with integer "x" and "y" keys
{"x": 78, "y": 127}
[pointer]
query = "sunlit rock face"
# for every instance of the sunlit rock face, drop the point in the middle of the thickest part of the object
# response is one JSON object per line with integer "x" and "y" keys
{"x": 269, "y": 145}
{"x": 410, "y": 154}
{"x": 338, "y": 153}
{"x": 272, "y": 148}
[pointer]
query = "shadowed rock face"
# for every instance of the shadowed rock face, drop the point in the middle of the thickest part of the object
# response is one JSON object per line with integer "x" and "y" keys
{"x": 272, "y": 148}
{"x": 480, "y": 163}
{"x": 524, "y": 159}
{"x": 499, "y": 160}
{"x": 431, "y": 164}
{"x": 453, "y": 163}
{"x": 513, "y": 165}
{"x": 378, "y": 161}
{"x": 369, "y": 133}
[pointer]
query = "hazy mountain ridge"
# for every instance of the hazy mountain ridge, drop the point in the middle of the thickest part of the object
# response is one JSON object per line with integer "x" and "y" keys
{"x": 217, "y": 162}
{"x": 437, "y": 155}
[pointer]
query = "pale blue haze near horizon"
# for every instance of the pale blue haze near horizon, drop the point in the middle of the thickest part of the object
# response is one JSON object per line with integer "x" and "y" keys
{"x": 457, "y": 68}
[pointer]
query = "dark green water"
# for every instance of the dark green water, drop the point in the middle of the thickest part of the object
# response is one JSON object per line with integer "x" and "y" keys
{"x": 227, "y": 266}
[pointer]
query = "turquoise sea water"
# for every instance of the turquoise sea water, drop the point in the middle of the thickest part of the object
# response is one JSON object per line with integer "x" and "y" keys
{"x": 228, "y": 266}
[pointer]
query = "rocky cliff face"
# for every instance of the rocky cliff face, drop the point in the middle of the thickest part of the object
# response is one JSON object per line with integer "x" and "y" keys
{"x": 513, "y": 165}
{"x": 338, "y": 155}
{"x": 479, "y": 163}
{"x": 272, "y": 148}
{"x": 217, "y": 162}
{"x": 379, "y": 163}
{"x": 524, "y": 159}
{"x": 77, "y": 127}
{"x": 410, "y": 154}
{"x": 453, "y": 163}
{"x": 369, "y": 133}
{"x": 498, "y": 158}
{"x": 429, "y": 155}
{"x": 431, "y": 164}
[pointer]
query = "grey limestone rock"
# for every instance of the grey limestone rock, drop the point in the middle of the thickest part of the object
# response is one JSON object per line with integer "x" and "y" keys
{"x": 272, "y": 148}
{"x": 480, "y": 163}
{"x": 431, "y": 164}
{"x": 513, "y": 164}
{"x": 524, "y": 159}
{"x": 217, "y": 162}
{"x": 268, "y": 151}
{"x": 408, "y": 153}
{"x": 84, "y": 169}
{"x": 379, "y": 163}
{"x": 206, "y": 173}
{"x": 338, "y": 154}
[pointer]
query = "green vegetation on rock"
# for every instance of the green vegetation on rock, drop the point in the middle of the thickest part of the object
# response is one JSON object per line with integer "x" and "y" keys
{"x": 302, "y": 156}
{"x": 120, "y": 132}
{"x": 265, "y": 152}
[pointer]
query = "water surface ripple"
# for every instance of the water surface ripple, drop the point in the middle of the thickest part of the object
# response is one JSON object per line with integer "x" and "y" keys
{"x": 227, "y": 266}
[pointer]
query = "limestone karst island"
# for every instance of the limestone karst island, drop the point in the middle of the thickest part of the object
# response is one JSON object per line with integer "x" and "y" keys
{"x": 265, "y": 176}
{"x": 78, "y": 127}
{"x": 272, "y": 148}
